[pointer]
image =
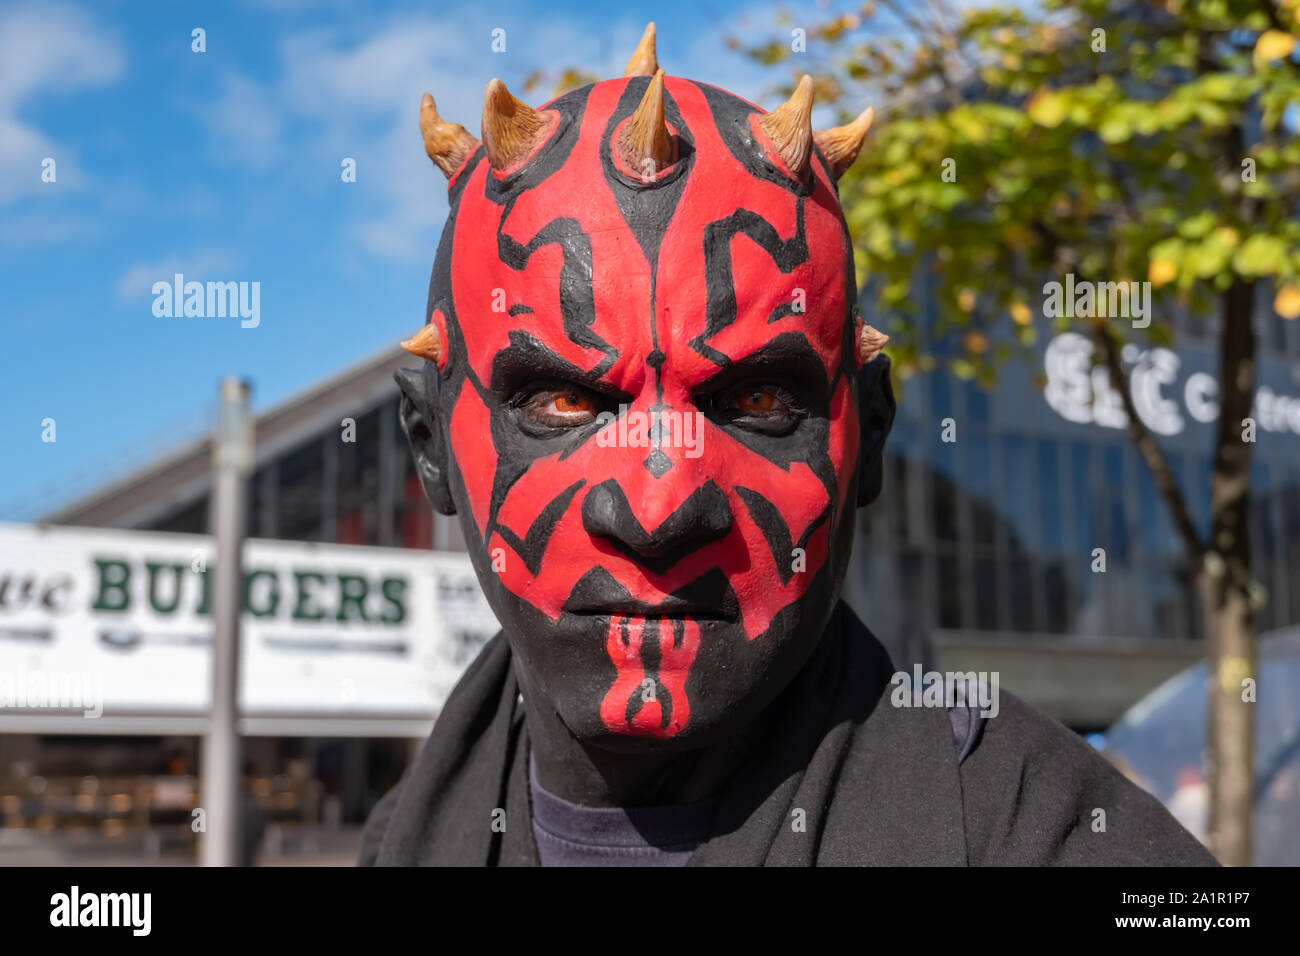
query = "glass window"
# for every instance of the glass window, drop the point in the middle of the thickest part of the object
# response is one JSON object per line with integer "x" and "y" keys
{"x": 984, "y": 577}
{"x": 1115, "y": 489}
{"x": 1016, "y": 492}
{"x": 1049, "y": 495}
{"x": 944, "y": 507}
{"x": 941, "y": 403}
{"x": 977, "y": 403}
{"x": 1199, "y": 485}
{"x": 1055, "y": 597}
{"x": 895, "y": 471}
{"x": 978, "y": 484}
{"x": 358, "y": 489}
{"x": 1021, "y": 594}
{"x": 1084, "y": 503}
{"x": 192, "y": 519}
{"x": 949, "y": 590}
{"x": 1153, "y": 535}
{"x": 300, "y": 491}
{"x": 415, "y": 526}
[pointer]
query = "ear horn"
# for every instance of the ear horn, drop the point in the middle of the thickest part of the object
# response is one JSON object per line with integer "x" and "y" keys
{"x": 645, "y": 135}
{"x": 841, "y": 144}
{"x": 643, "y": 61}
{"x": 448, "y": 144}
{"x": 870, "y": 343}
{"x": 789, "y": 127}
{"x": 425, "y": 344}
{"x": 511, "y": 128}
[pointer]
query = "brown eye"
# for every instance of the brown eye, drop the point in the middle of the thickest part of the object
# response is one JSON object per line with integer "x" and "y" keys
{"x": 572, "y": 402}
{"x": 755, "y": 401}
{"x": 767, "y": 408}
{"x": 559, "y": 407}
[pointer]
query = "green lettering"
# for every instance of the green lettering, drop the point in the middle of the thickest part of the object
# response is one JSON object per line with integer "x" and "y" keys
{"x": 205, "y": 602}
{"x": 394, "y": 591}
{"x": 352, "y": 592}
{"x": 272, "y": 593}
{"x": 177, "y": 570}
{"x": 300, "y": 612}
{"x": 114, "y": 576}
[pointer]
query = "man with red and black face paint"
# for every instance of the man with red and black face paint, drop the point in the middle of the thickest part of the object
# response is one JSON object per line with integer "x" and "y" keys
{"x": 650, "y": 399}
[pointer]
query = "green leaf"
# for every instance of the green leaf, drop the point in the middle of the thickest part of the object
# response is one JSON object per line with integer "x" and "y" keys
{"x": 1260, "y": 255}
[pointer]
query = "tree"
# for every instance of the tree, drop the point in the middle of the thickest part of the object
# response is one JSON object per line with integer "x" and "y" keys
{"x": 1111, "y": 140}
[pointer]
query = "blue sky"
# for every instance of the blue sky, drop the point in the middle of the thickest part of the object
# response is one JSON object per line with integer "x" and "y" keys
{"x": 225, "y": 165}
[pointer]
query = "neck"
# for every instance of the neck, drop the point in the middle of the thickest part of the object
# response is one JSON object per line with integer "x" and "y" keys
{"x": 595, "y": 777}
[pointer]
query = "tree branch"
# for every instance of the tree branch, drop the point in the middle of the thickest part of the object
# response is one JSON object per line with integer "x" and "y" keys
{"x": 1150, "y": 450}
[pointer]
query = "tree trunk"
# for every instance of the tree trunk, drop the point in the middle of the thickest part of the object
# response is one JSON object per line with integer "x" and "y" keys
{"x": 1224, "y": 584}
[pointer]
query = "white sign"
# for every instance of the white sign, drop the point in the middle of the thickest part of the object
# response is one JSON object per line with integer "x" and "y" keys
{"x": 328, "y": 630}
{"x": 1080, "y": 392}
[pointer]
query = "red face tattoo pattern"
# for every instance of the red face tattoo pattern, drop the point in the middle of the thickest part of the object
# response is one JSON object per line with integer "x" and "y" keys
{"x": 569, "y": 291}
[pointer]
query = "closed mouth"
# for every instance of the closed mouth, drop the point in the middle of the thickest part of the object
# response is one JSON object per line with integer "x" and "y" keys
{"x": 667, "y": 609}
{"x": 708, "y": 598}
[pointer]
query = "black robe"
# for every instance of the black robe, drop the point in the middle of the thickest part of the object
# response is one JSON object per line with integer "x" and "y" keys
{"x": 877, "y": 784}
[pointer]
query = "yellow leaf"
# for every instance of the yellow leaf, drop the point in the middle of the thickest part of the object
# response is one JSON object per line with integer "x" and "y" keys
{"x": 966, "y": 299}
{"x": 1227, "y": 235}
{"x": 1047, "y": 108}
{"x": 1287, "y": 303}
{"x": 1271, "y": 45}
{"x": 1020, "y": 313}
{"x": 1162, "y": 271}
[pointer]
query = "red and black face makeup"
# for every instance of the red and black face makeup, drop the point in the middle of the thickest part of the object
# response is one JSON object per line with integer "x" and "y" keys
{"x": 651, "y": 587}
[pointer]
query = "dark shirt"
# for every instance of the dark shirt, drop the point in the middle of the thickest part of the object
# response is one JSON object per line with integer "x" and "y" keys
{"x": 569, "y": 834}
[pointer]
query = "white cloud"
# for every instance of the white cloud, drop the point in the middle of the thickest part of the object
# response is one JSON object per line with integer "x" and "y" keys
{"x": 45, "y": 49}
{"x": 201, "y": 266}
{"x": 244, "y": 124}
{"x": 44, "y": 228}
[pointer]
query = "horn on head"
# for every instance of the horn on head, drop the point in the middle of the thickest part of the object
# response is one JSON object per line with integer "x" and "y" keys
{"x": 870, "y": 343}
{"x": 511, "y": 128}
{"x": 841, "y": 144}
{"x": 448, "y": 144}
{"x": 426, "y": 344}
{"x": 789, "y": 127}
{"x": 644, "y": 138}
{"x": 643, "y": 61}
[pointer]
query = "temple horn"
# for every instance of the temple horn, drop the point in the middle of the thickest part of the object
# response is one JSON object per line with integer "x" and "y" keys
{"x": 870, "y": 343}
{"x": 789, "y": 127}
{"x": 511, "y": 128}
{"x": 427, "y": 344}
{"x": 841, "y": 144}
{"x": 448, "y": 144}
{"x": 643, "y": 61}
{"x": 645, "y": 135}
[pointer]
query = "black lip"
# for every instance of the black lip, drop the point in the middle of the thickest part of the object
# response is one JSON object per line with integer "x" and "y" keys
{"x": 708, "y": 598}
{"x": 667, "y": 609}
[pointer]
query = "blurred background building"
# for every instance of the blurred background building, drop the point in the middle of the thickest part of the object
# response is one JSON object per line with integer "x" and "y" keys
{"x": 980, "y": 553}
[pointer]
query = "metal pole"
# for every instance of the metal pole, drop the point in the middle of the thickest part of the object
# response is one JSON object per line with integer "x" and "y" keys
{"x": 232, "y": 463}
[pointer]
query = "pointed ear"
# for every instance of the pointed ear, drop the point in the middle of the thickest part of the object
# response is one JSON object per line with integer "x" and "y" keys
{"x": 419, "y": 417}
{"x": 876, "y": 416}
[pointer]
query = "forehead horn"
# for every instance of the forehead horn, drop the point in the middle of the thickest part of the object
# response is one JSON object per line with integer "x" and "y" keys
{"x": 448, "y": 144}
